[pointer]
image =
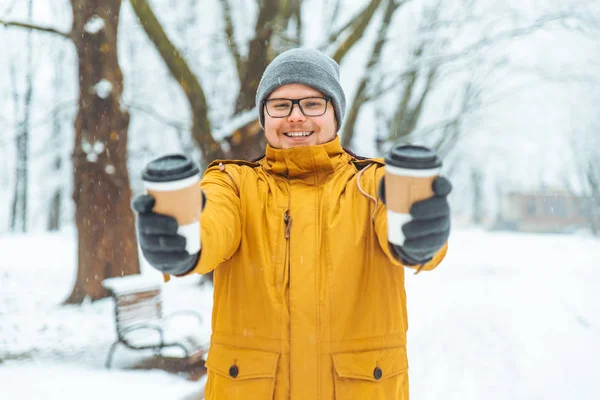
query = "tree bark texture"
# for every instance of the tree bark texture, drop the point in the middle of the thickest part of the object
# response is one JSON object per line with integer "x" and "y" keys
{"x": 106, "y": 235}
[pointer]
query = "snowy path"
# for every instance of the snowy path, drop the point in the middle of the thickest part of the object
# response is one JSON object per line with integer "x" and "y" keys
{"x": 506, "y": 316}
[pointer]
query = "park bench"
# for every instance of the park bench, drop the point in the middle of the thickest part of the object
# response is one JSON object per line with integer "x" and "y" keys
{"x": 141, "y": 325}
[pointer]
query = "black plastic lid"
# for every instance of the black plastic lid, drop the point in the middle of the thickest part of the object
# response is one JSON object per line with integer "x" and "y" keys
{"x": 172, "y": 167}
{"x": 413, "y": 157}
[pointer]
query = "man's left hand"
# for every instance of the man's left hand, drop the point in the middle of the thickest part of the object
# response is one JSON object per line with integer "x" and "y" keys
{"x": 429, "y": 227}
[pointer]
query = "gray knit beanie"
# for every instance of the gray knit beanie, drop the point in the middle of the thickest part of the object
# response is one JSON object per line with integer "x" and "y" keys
{"x": 306, "y": 66}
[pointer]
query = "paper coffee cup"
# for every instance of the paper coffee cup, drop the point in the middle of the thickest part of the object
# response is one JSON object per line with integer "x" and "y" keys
{"x": 174, "y": 181}
{"x": 409, "y": 175}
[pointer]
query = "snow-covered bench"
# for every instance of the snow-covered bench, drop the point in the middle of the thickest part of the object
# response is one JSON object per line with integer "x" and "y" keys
{"x": 141, "y": 325}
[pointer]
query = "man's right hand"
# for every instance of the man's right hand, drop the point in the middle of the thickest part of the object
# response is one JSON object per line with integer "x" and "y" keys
{"x": 162, "y": 247}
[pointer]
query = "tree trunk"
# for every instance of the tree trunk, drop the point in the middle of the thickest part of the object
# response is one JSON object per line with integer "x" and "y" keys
{"x": 54, "y": 210}
{"x": 106, "y": 236}
{"x": 19, "y": 205}
{"x": 248, "y": 142}
{"x": 592, "y": 176}
{"x": 258, "y": 54}
{"x": 478, "y": 196}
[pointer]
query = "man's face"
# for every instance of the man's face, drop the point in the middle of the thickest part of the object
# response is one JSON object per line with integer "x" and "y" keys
{"x": 283, "y": 133}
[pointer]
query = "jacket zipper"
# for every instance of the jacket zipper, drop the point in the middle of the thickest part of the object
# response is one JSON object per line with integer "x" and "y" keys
{"x": 287, "y": 218}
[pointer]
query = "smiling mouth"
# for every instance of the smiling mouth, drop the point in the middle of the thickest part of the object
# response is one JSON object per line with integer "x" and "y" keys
{"x": 298, "y": 134}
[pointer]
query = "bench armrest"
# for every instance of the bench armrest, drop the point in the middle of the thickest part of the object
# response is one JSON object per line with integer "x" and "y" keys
{"x": 139, "y": 327}
{"x": 181, "y": 313}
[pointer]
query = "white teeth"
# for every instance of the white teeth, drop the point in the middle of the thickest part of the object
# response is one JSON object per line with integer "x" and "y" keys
{"x": 297, "y": 134}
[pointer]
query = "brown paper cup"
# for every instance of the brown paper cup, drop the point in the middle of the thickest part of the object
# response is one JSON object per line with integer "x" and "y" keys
{"x": 183, "y": 201}
{"x": 403, "y": 187}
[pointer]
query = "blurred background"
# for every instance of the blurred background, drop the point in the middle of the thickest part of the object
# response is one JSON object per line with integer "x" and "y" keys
{"x": 505, "y": 90}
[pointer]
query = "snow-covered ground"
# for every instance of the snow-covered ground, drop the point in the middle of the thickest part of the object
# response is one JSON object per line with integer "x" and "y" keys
{"x": 58, "y": 352}
{"x": 506, "y": 316}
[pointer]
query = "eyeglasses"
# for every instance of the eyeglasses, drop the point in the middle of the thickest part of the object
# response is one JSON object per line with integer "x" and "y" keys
{"x": 309, "y": 106}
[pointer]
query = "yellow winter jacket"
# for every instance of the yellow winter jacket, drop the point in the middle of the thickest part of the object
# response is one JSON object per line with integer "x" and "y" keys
{"x": 309, "y": 302}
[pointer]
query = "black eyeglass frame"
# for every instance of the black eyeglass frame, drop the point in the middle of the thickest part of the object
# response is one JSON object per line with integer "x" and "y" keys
{"x": 297, "y": 101}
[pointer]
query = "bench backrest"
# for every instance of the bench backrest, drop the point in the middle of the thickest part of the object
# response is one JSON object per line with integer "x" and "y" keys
{"x": 137, "y": 300}
{"x": 137, "y": 308}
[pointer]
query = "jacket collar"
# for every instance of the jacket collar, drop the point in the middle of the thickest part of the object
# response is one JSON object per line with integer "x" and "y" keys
{"x": 311, "y": 164}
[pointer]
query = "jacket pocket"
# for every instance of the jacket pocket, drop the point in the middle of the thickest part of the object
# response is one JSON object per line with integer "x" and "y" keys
{"x": 377, "y": 374}
{"x": 235, "y": 373}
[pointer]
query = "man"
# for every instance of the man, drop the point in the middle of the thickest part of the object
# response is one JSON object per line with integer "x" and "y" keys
{"x": 309, "y": 298}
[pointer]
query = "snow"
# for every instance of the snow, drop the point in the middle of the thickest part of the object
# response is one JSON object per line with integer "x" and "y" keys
{"x": 102, "y": 89}
{"x": 63, "y": 348}
{"x": 235, "y": 123}
{"x": 110, "y": 169}
{"x": 505, "y": 316}
{"x": 54, "y": 382}
{"x": 94, "y": 25}
{"x": 98, "y": 147}
{"x": 132, "y": 283}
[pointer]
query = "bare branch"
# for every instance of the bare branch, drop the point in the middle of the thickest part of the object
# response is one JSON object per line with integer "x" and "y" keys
{"x": 490, "y": 41}
{"x": 33, "y": 27}
{"x": 201, "y": 127}
{"x": 438, "y": 61}
{"x": 397, "y": 130}
{"x": 297, "y": 13}
{"x": 358, "y": 29}
{"x": 418, "y": 109}
{"x": 258, "y": 54}
{"x": 330, "y": 19}
{"x": 237, "y": 123}
{"x": 230, "y": 34}
{"x": 360, "y": 97}
{"x": 9, "y": 7}
{"x": 333, "y": 36}
{"x": 152, "y": 112}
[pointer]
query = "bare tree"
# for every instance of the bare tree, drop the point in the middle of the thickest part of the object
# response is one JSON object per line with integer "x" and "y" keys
{"x": 361, "y": 96}
{"x": 430, "y": 65}
{"x": 591, "y": 174}
{"x": 477, "y": 179}
{"x": 19, "y": 207}
{"x": 586, "y": 149}
{"x": 57, "y": 195}
{"x": 272, "y": 35}
{"x": 107, "y": 245}
{"x": 201, "y": 127}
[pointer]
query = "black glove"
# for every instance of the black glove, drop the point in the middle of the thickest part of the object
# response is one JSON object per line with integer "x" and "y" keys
{"x": 161, "y": 245}
{"x": 429, "y": 227}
